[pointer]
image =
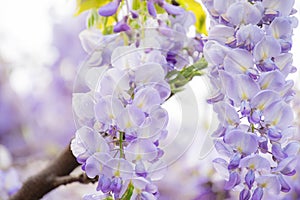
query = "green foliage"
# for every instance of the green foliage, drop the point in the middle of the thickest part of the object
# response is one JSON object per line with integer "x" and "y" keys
{"x": 177, "y": 79}
{"x": 109, "y": 198}
{"x": 83, "y": 5}
{"x": 128, "y": 193}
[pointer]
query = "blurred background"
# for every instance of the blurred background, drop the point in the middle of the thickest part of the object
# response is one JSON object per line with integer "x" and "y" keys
{"x": 40, "y": 53}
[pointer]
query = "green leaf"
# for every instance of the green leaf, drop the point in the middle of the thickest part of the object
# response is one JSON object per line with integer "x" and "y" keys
{"x": 199, "y": 13}
{"x": 128, "y": 193}
{"x": 136, "y": 4}
{"x": 201, "y": 64}
{"x": 109, "y": 198}
{"x": 178, "y": 79}
{"x": 83, "y": 5}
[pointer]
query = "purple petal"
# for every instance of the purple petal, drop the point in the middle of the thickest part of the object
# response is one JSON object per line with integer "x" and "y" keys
{"x": 146, "y": 98}
{"x": 171, "y": 9}
{"x": 119, "y": 83}
{"x": 90, "y": 39}
{"x": 266, "y": 48}
{"x": 255, "y": 117}
{"x": 233, "y": 62}
{"x": 287, "y": 166}
{"x": 214, "y": 53}
{"x": 118, "y": 167}
{"x": 87, "y": 142}
{"x": 109, "y": 9}
{"x": 140, "y": 169}
{"x": 249, "y": 36}
{"x": 292, "y": 148}
{"x": 104, "y": 184}
{"x": 221, "y": 33}
{"x": 255, "y": 162}
{"x": 234, "y": 180}
{"x": 121, "y": 26}
{"x": 151, "y": 8}
{"x": 147, "y": 196}
{"x": 245, "y": 87}
{"x": 234, "y": 162}
{"x": 163, "y": 89}
{"x": 245, "y": 194}
{"x": 149, "y": 73}
{"x": 279, "y": 114}
{"x": 263, "y": 99}
{"x": 283, "y": 7}
{"x": 95, "y": 163}
{"x": 215, "y": 98}
{"x": 158, "y": 169}
{"x": 243, "y": 142}
{"x": 245, "y": 108}
{"x": 130, "y": 118}
{"x": 227, "y": 115}
{"x": 107, "y": 109}
{"x": 151, "y": 188}
{"x": 278, "y": 152}
{"x": 284, "y": 63}
{"x": 280, "y": 27}
{"x": 243, "y": 13}
{"x": 249, "y": 178}
{"x": 257, "y": 194}
{"x": 220, "y": 132}
{"x": 285, "y": 187}
{"x": 141, "y": 149}
{"x": 220, "y": 165}
{"x": 223, "y": 149}
{"x": 134, "y": 14}
{"x": 116, "y": 185}
{"x": 270, "y": 182}
{"x": 154, "y": 125}
{"x": 264, "y": 146}
{"x": 274, "y": 134}
{"x": 272, "y": 80}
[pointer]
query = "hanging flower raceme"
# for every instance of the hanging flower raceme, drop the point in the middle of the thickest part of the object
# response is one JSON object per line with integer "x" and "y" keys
{"x": 120, "y": 118}
{"x": 248, "y": 56}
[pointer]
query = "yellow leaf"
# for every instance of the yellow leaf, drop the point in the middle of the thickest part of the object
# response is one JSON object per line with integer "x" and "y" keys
{"x": 199, "y": 13}
{"x": 83, "y": 5}
{"x": 106, "y": 24}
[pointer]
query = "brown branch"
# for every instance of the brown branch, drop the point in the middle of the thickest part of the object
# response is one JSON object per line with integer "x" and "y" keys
{"x": 40, "y": 184}
{"x": 82, "y": 178}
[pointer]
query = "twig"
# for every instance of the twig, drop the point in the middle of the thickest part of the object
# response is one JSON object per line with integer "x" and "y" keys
{"x": 82, "y": 178}
{"x": 50, "y": 178}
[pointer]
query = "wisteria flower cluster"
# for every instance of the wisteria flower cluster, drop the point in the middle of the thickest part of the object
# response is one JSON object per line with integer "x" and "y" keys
{"x": 121, "y": 118}
{"x": 248, "y": 56}
{"x": 122, "y": 25}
